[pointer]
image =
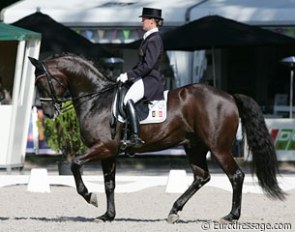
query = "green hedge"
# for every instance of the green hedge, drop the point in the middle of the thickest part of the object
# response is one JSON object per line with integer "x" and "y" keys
{"x": 63, "y": 134}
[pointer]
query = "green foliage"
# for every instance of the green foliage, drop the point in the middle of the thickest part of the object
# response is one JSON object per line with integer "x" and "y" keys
{"x": 63, "y": 134}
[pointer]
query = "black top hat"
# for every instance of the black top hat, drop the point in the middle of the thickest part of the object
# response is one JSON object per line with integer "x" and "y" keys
{"x": 151, "y": 13}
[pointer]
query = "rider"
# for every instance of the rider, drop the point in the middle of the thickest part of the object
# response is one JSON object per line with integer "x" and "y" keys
{"x": 147, "y": 81}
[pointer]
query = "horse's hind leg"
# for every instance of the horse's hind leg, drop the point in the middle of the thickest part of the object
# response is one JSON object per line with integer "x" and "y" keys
{"x": 236, "y": 178}
{"x": 201, "y": 174}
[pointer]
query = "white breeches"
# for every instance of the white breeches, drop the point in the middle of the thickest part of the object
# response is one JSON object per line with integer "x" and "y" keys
{"x": 136, "y": 92}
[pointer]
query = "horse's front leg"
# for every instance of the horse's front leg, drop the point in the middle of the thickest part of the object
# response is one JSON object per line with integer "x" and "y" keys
{"x": 109, "y": 172}
{"x": 76, "y": 166}
{"x": 94, "y": 153}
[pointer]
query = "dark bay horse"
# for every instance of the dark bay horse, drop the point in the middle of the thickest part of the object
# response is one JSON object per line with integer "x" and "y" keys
{"x": 200, "y": 118}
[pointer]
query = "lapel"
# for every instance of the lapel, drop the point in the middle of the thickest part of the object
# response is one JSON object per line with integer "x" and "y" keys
{"x": 142, "y": 47}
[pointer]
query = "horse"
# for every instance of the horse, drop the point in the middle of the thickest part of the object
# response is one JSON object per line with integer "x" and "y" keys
{"x": 200, "y": 118}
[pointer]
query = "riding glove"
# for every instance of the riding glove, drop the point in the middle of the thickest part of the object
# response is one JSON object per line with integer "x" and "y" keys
{"x": 123, "y": 77}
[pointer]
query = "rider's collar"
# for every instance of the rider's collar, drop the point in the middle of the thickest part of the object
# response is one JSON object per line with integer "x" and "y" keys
{"x": 150, "y": 32}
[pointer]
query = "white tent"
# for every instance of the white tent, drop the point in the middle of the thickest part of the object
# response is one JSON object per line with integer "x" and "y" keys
{"x": 175, "y": 12}
{"x": 16, "y": 44}
{"x": 107, "y": 21}
{"x": 255, "y": 12}
{"x": 98, "y": 12}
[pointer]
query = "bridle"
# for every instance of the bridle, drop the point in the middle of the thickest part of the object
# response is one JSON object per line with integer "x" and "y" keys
{"x": 57, "y": 102}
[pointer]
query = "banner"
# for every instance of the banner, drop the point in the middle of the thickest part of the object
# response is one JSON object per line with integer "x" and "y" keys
{"x": 282, "y": 131}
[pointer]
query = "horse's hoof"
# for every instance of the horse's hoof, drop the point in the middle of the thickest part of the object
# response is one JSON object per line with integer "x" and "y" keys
{"x": 227, "y": 219}
{"x": 93, "y": 200}
{"x": 172, "y": 218}
{"x": 104, "y": 218}
{"x": 99, "y": 220}
{"x": 224, "y": 221}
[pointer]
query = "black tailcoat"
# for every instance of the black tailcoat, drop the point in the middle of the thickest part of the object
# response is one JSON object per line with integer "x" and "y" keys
{"x": 148, "y": 67}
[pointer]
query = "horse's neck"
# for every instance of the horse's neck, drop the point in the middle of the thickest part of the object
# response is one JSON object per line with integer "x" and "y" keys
{"x": 83, "y": 79}
{"x": 95, "y": 108}
{"x": 95, "y": 98}
{"x": 88, "y": 88}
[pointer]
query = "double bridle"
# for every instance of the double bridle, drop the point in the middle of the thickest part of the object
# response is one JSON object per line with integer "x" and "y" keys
{"x": 57, "y": 102}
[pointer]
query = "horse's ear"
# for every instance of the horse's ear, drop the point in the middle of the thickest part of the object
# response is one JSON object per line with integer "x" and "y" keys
{"x": 36, "y": 63}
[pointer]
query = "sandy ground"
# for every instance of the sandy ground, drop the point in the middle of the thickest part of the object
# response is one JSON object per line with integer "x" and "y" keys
{"x": 64, "y": 210}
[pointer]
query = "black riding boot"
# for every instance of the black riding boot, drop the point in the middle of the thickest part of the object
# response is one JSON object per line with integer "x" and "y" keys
{"x": 134, "y": 139}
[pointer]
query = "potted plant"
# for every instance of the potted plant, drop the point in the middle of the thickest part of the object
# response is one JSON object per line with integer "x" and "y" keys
{"x": 63, "y": 135}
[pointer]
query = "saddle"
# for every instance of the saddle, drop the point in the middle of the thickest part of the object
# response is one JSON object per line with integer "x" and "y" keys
{"x": 147, "y": 111}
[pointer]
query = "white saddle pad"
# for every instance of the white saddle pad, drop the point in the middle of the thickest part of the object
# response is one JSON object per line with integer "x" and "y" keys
{"x": 157, "y": 111}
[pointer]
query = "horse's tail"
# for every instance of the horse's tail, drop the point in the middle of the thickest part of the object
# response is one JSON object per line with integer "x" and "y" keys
{"x": 260, "y": 143}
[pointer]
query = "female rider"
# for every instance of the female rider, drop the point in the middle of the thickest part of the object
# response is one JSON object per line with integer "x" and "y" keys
{"x": 147, "y": 81}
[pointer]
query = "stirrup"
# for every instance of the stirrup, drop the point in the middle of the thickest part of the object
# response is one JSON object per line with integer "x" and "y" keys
{"x": 134, "y": 141}
{"x": 136, "y": 144}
